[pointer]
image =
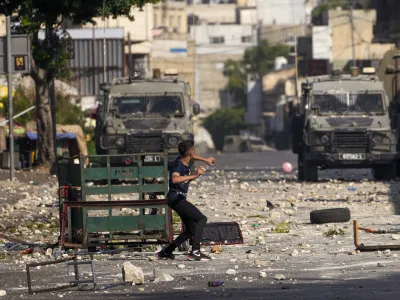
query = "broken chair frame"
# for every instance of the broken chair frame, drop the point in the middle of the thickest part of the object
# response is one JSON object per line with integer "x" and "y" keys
{"x": 362, "y": 247}
{"x": 52, "y": 289}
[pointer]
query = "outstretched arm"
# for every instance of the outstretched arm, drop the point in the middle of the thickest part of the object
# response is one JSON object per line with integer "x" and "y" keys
{"x": 210, "y": 160}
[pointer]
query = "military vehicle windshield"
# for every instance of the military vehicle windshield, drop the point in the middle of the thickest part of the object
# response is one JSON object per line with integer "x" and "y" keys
{"x": 348, "y": 103}
{"x": 164, "y": 105}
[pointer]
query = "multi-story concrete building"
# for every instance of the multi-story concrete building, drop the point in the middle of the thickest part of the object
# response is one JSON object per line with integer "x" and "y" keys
{"x": 283, "y": 34}
{"x": 175, "y": 54}
{"x": 139, "y": 31}
{"x": 212, "y": 13}
{"x": 215, "y": 44}
{"x": 272, "y": 12}
{"x": 172, "y": 15}
{"x": 339, "y": 32}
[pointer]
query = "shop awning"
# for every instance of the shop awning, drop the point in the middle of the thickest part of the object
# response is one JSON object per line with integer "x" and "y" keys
{"x": 60, "y": 135}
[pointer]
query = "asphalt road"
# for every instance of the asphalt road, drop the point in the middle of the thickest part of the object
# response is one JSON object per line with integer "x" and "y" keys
{"x": 254, "y": 161}
{"x": 327, "y": 272}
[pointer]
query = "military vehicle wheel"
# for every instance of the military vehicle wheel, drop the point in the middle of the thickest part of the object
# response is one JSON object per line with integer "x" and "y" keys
{"x": 297, "y": 133}
{"x": 398, "y": 168}
{"x": 310, "y": 172}
{"x": 307, "y": 171}
{"x": 385, "y": 172}
{"x": 300, "y": 168}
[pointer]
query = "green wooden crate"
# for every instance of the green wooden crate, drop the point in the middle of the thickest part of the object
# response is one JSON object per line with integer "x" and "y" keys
{"x": 83, "y": 219}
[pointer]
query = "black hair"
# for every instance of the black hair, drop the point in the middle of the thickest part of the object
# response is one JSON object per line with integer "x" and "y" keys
{"x": 184, "y": 147}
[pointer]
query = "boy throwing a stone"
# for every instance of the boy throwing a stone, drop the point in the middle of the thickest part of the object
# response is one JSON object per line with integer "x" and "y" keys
{"x": 179, "y": 180}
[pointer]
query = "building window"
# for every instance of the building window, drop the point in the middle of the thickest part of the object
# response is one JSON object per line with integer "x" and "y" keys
{"x": 217, "y": 40}
{"x": 246, "y": 39}
{"x": 290, "y": 39}
{"x": 171, "y": 21}
{"x": 155, "y": 20}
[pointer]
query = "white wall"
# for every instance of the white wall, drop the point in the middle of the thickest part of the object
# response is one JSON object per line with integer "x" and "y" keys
{"x": 162, "y": 48}
{"x": 231, "y": 34}
{"x": 280, "y": 12}
{"x": 248, "y": 16}
{"x": 322, "y": 42}
{"x": 140, "y": 29}
{"x": 214, "y": 13}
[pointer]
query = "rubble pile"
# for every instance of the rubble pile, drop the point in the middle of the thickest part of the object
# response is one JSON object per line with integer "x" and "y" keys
{"x": 273, "y": 212}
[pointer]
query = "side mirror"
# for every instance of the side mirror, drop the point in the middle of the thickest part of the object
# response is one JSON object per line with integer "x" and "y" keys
{"x": 390, "y": 69}
{"x": 196, "y": 109}
{"x": 306, "y": 87}
{"x": 105, "y": 87}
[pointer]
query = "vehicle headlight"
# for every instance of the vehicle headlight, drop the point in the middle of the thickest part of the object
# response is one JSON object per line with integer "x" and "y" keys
{"x": 377, "y": 140}
{"x": 324, "y": 139}
{"x": 120, "y": 142}
{"x": 173, "y": 141}
{"x": 386, "y": 141}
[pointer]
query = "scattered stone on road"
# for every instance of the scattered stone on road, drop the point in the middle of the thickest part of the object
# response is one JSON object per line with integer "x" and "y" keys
{"x": 280, "y": 277}
{"x": 132, "y": 274}
{"x": 396, "y": 237}
{"x": 161, "y": 276}
{"x": 230, "y": 272}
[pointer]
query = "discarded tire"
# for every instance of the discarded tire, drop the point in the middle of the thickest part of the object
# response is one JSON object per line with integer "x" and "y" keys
{"x": 333, "y": 215}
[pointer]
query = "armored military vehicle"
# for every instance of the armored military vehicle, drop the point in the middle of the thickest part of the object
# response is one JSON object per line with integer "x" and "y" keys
{"x": 344, "y": 122}
{"x": 142, "y": 115}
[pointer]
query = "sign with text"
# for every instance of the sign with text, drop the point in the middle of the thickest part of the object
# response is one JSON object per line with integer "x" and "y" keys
{"x": 20, "y": 54}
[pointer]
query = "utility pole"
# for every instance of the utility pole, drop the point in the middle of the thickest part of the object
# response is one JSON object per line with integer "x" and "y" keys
{"x": 104, "y": 42}
{"x": 10, "y": 100}
{"x": 295, "y": 56}
{"x": 196, "y": 77}
{"x": 52, "y": 95}
{"x": 352, "y": 32}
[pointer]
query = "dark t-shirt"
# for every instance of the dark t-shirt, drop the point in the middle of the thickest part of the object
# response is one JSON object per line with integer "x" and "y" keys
{"x": 179, "y": 167}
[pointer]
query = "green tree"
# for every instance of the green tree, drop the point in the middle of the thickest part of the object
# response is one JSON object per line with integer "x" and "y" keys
{"x": 68, "y": 113}
{"x": 259, "y": 59}
{"x": 21, "y": 103}
{"x": 51, "y": 53}
{"x": 224, "y": 122}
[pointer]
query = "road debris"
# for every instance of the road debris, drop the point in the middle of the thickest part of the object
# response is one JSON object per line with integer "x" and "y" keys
{"x": 161, "y": 276}
{"x": 280, "y": 277}
{"x": 217, "y": 249}
{"x": 262, "y": 274}
{"x": 215, "y": 283}
{"x": 132, "y": 274}
{"x": 230, "y": 272}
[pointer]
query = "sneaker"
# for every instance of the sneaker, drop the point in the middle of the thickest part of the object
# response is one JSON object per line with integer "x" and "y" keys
{"x": 198, "y": 256}
{"x": 163, "y": 255}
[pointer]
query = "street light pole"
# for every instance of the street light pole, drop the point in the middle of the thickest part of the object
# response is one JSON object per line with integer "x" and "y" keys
{"x": 352, "y": 33}
{"x": 10, "y": 100}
